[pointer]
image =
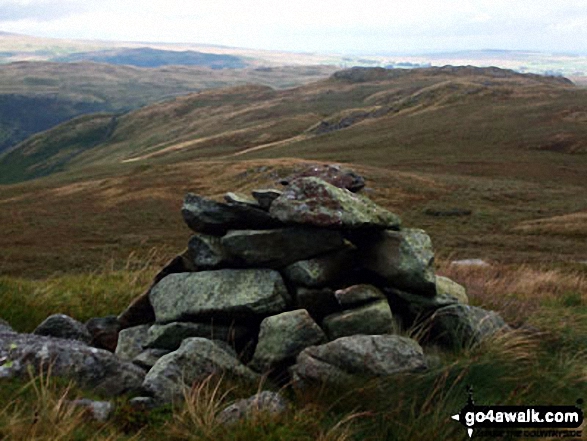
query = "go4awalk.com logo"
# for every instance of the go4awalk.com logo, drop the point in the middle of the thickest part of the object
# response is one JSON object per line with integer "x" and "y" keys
{"x": 555, "y": 418}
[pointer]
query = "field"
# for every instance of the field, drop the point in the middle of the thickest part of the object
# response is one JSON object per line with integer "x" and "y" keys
{"x": 492, "y": 166}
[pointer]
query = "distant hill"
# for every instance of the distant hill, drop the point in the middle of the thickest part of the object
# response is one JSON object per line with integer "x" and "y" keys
{"x": 149, "y": 57}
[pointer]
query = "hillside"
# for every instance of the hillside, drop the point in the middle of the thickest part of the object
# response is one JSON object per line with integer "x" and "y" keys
{"x": 490, "y": 162}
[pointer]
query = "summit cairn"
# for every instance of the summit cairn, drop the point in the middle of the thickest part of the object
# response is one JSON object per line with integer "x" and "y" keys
{"x": 307, "y": 283}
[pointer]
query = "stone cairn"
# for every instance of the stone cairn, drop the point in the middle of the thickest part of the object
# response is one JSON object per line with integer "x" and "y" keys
{"x": 310, "y": 283}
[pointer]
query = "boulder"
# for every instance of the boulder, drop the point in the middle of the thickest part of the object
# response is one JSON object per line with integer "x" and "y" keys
{"x": 323, "y": 270}
{"x": 312, "y": 201}
{"x": 131, "y": 342}
{"x": 171, "y": 335}
{"x": 459, "y": 326}
{"x": 63, "y": 326}
{"x": 70, "y": 359}
{"x": 358, "y": 295}
{"x": 104, "y": 332}
{"x": 140, "y": 311}
{"x": 265, "y": 402}
{"x": 404, "y": 259}
{"x": 280, "y": 247}
{"x": 371, "y": 319}
{"x": 207, "y": 252}
{"x": 222, "y": 294}
{"x": 282, "y": 337}
{"x": 195, "y": 360}
{"x": 265, "y": 197}
{"x": 341, "y": 360}
{"x": 210, "y": 217}
{"x": 147, "y": 358}
{"x": 333, "y": 174}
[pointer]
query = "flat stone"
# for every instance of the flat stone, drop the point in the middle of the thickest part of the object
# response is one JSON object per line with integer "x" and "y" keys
{"x": 282, "y": 337}
{"x": 171, "y": 335}
{"x": 63, "y": 326}
{"x": 279, "y": 247}
{"x": 333, "y": 174}
{"x": 210, "y": 217}
{"x": 470, "y": 262}
{"x": 207, "y": 252}
{"x": 312, "y": 201}
{"x": 195, "y": 360}
{"x": 265, "y": 197}
{"x": 345, "y": 358}
{"x": 323, "y": 270}
{"x": 405, "y": 259}
{"x": 372, "y": 319}
{"x": 131, "y": 342}
{"x": 240, "y": 198}
{"x": 222, "y": 294}
{"x": 358, "y": 295}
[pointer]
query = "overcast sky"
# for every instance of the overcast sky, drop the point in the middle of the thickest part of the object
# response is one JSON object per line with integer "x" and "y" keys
{"x": 339, "y": 26}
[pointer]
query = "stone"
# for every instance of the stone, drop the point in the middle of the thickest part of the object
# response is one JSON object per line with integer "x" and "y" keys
{"x": 142, "y": 404}
{"x": 104, "y": 332}
{"x": 265, "y": 402}
{"x": 195, "y": 360}
{"x": 210, "y": 217}
{"x": 447, "y": 288}
{"x": 223, "y": 294}
{"x": 358, "y": 295}
{"x": 326, "y": 269}
{"x": 131, "y": 342}
{"x": 371, "y": 319}
{"x": 346, "y": 358}
{"x": 5, "y": 327}
{"x": 405, "y": 259}
{"x": 266, "y": 196}
{"x": 461, "y": 326}
{"x": 207, "y": 252}
{"x": 99, "y": 410}
{"x": 280, "y": 247}
{"x": 89, "y": 367}
{"x": 333, "y": 174}
{"x": 140, "y": 311}
{"x": 239, "y": 198}
{"x": 318, "y": 302}
{"x": 147, "y": 358}
{"x": 170, "y": 336}
{"x": 470, "y": 262}
{"x": 314, "y": 202}
{"x": 63, "y": 326}
{"x": 282, "y": 337}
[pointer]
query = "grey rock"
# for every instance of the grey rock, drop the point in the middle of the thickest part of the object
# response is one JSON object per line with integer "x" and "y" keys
{"x": 170, "y": 336}
{"x": 265, "y": 402}
{"x": 470, "y": 262}
{"x": 131, "y": 342}
{"x": 460, "y": 325}
{"x": 312, "y": 201}
{"x": 447, "y": 288}
{"x": 318, "y": 302}
{"x": 5, "y": 327}
{"x": 333, "y": 174}
{"x": 195, "y": 360}
{"x": 282, "y": 337}
{"x": 210, "y": 217}
{"x": 71, "y": 359}
{"x": 104, "y": 332}
{"x": 223, "y": 294}
{"x": 279, "y": 247}
{"x": 100, "y": 411}
{"x": 243, "y": 199}
{"x": 265, "y": 197}
{"x": 372, "y": 319}
{"x": 346, "y": 358}
{"x": 63, "y": 326}
{"x": 207, "y": 252}
{"x": 322, "y": 270}
{"x": 358, "y": 295}
{"x": 404, "y": 258}
{"x": 143, "y": 403}
{"x": 147, "y": 358}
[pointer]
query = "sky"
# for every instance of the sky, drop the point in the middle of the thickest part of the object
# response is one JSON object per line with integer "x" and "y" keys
{"x": 323, "y": 26}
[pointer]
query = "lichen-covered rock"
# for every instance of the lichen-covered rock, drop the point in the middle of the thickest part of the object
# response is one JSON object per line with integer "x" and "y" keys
{"x": 131, "y": 342}
{"x": 279, "y": 247}
{"x": 371, "y": 319}
{"x": 207, "y": 252}
{"x": 448, "y": 288}
{"x": 223, "y": 294}
{"x": 70, "y": 359}
{"x": 63, "y": 326}
{"x": 149, "y": 357}
{"x": 171, "y": 335}
{"x": 358, "y": 295}
{"x": 195, "y": 360}
{"x": 282, "y": 337}
{"x": 343, "y": 359}
{"x": 322, "y": 270}
{"x": 104, "y": 332}
{"x": 312, "y": 201}
{"x": 265, "y": 402}
{"x": 333, "y": 174}
{"x": 405, "y": 259}
{"x": 266, "y": 196}
{"x": 210, "y": 217}
{"x": 459, "y": 326}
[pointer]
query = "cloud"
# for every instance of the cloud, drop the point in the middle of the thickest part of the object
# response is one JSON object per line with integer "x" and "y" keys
{"x": 39, "y": 10}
